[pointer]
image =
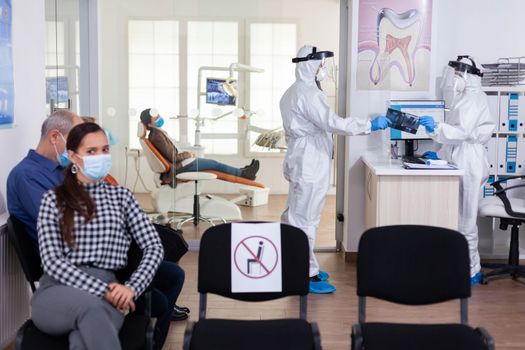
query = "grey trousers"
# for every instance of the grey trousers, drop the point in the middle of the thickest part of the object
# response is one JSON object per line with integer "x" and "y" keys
{"x": 91, "y": 322}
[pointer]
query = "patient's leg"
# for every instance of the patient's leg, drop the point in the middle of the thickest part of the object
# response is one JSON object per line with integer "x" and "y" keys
{"x": 201, "y": 164}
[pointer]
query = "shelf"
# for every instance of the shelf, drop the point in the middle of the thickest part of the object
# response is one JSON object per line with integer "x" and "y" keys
{"x": 505, "y": 174}
{"x": 520, "y": 88}
{"x": 496, "y": 134}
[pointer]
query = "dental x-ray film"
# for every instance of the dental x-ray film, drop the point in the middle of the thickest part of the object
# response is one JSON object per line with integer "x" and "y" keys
{"x": 403, "y": 121}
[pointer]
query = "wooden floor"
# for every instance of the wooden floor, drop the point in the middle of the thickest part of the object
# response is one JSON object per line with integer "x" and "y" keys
{"x": 270, "y": 212}
{"x": 498, "y": 306}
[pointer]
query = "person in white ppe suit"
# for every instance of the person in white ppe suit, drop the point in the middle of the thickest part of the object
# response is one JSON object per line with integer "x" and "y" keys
{"x": 469, "y": 125}
{"x": 309, "y": 123}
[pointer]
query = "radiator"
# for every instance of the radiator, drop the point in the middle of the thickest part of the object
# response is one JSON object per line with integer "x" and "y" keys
{"x": 14, "y": 291}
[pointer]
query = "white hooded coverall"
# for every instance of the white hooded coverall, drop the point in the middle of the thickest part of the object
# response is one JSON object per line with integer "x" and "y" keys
{"x": 469, "y": 125}
{"x": 309, "y": 123}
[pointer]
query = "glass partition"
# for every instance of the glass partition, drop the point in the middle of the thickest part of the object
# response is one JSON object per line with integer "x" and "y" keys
{"x": 215, "y": 71}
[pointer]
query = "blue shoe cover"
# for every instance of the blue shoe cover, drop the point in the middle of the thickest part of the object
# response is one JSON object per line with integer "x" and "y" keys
{"x": 321, "y": 287}
{"x": 476, "y": 279}
{"x": 323, "y": 276}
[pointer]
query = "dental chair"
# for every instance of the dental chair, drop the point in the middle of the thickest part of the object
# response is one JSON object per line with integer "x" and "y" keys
{"x": 182, "y": 198}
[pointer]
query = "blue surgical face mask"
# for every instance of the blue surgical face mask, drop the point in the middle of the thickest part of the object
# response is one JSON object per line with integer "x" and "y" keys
{"x": 96, "y": 167}
{"x": 63, "y": 159}
{"x": 160, "y": 122}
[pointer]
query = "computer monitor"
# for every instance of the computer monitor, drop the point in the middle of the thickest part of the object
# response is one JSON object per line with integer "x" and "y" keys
{"x": 434, "y": 108}
{"x": 216, "y": 94}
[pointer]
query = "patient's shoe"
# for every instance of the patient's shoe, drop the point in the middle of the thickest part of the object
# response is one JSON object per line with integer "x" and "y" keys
{"x": 250, "y": 171}
{"x": 249, "y": 165}
{"x": 476, "y": 279}
{"x": 320, "y": 287}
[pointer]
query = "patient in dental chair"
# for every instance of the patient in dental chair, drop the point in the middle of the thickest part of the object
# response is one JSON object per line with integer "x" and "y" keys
{"x": 181, "y": 162}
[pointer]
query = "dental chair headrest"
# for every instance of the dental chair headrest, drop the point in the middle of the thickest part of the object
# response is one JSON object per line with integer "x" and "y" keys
{"x": 142, "y": 131}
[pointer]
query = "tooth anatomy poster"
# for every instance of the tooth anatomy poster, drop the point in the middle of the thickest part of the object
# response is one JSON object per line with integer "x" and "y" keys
{"x": 6, "y": 65}
{"x": 394, "y": 45}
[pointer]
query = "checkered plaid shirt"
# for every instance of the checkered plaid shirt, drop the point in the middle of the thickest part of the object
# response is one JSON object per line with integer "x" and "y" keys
{"x": 102, "y": 242}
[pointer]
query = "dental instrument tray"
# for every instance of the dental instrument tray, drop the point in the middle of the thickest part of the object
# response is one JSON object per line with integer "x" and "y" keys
{"x": 403, "y": 121}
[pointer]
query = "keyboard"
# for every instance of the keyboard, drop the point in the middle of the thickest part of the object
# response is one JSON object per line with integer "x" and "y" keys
{"x": 415, "y": 160}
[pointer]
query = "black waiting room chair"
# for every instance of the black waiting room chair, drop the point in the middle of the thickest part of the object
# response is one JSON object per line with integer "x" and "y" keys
{"x": 415, "y": 265}
{"x": 214, "y": 276}
{"x": 136, "y": 332}
{"x": 510, "y": 212}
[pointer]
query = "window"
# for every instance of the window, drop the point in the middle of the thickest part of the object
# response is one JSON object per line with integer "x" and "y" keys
{"x": 153, "y": 73}
{"x": 54, "y": 48}
{"x": 271, "y": 47}
{"x": 212, "y": 44}
{"x": 155, "y": 77}
{"x": 62, "y": 55}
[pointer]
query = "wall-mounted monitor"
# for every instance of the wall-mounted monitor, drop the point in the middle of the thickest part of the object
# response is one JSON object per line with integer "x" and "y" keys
{"x": 216, "y": 92}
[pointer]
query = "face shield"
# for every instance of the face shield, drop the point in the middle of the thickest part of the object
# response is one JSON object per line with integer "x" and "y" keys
{"x": 326, "y": 64}
{"x": 455, "y": 78}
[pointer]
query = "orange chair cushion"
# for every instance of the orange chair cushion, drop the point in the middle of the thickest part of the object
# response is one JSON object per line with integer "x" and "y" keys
{"x": 157, "y": 154}
{"x": 235, "y": 179}
{"x": 110, "y": 180}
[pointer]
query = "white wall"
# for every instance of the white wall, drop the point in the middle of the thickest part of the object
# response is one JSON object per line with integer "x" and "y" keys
{"x": 28, "y": 58}
{"x": 313, "y": 28}
{"x": 484, "y": 29}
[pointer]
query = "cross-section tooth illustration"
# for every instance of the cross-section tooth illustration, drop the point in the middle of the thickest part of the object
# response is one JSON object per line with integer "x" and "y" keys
{"x": 397, "y": 37}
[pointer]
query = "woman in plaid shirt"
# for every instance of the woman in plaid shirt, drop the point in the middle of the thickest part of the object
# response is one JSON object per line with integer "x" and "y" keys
{"x": 85, "y": 228}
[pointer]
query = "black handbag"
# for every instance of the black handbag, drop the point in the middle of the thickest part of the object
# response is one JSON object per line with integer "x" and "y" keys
{"x": 175, "y": 246}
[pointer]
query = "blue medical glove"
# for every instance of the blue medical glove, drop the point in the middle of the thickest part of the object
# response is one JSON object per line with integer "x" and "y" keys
{"x": 428, "y": 122}
{"x": 430, "y": 155}
{"x": 380, "y": 123}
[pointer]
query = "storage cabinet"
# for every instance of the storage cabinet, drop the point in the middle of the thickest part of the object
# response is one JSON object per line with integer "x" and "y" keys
{"x": 397, "y": 196}
{"x": 506, "y": 153}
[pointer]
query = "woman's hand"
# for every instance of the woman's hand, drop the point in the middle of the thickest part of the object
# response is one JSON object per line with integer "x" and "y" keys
{"x": 121, "y": 297}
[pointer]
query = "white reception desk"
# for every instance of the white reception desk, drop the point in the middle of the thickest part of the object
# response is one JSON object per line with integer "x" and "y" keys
{"x": 395, "y": 196}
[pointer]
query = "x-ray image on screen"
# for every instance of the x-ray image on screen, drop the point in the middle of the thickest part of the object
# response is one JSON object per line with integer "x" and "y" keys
{"x": 216, "y": 94}
{"x": 403, "y": 121}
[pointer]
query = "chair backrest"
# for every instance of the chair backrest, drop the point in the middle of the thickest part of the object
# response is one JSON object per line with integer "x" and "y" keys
{"x": 215, "y": 264}
{"x": 155, "y": 160}
{"x": 413, "y": 265}
{"x": 28, "y": 256}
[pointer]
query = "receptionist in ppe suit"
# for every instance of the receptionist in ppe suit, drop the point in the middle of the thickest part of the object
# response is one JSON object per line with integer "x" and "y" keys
{"x": 309, "y": 123}
{"x": 469, "y": 125}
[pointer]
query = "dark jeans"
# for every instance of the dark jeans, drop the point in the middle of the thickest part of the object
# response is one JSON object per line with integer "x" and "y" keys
{"x": 167, "y": 284}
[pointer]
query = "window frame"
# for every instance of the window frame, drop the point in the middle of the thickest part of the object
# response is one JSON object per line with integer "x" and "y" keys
{"x": 241, "y": 49}
{"x": 127, "y": 67}
{"x": 244, "y": 42}
{"x": 246, "y": 138}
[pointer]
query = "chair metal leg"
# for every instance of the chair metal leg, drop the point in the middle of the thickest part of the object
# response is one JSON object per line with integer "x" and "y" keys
{"x": 196, "y": 216}
{"x": 200, "y": 218}
{"x": 512, "y": 268}
{"x": 188, "y": 219}
{"x": 196, "y": 209}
